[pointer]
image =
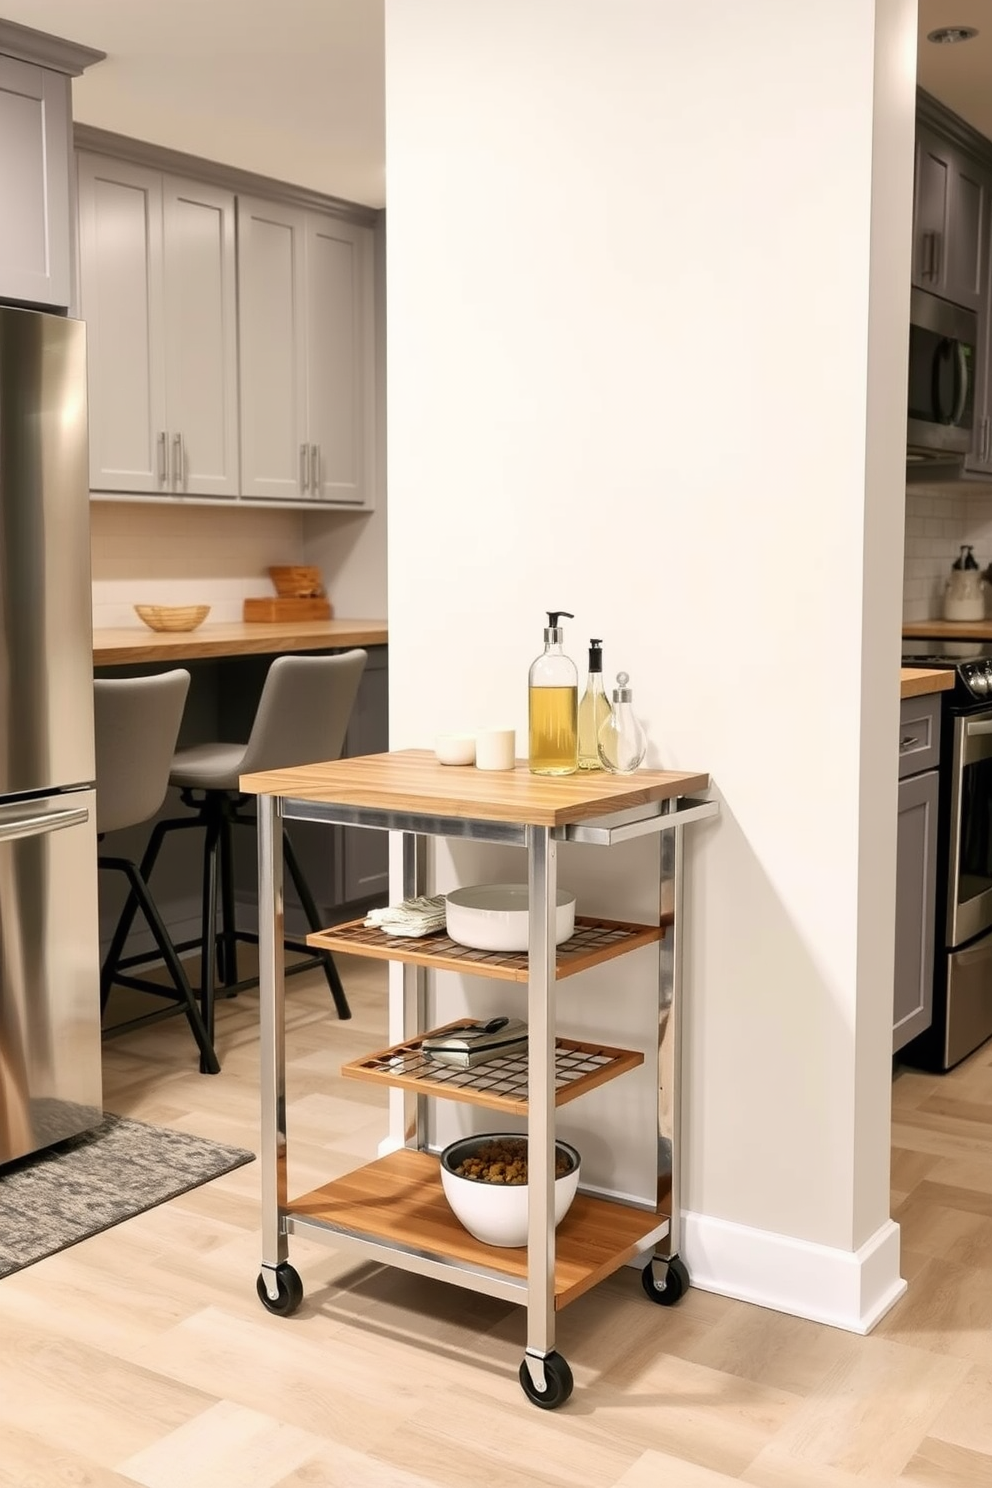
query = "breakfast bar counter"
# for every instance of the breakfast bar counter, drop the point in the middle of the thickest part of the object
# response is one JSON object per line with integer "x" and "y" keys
{"x": 126, "y": 645}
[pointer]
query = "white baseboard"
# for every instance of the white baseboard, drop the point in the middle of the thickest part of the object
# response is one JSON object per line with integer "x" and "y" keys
{"x": 847, "y": 1289}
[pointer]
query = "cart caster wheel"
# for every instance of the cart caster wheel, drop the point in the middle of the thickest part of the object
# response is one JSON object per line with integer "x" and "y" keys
{"x": 671, "y": 1287}
{"x": 557, "y": 1379}
{"x": 290, "y": 1292}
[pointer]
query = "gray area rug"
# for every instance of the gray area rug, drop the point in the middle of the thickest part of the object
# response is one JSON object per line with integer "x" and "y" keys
{"x": 91, "y": 1182}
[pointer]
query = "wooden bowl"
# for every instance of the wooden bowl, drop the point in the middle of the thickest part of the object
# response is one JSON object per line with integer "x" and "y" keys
{"x": 297, "y": 581}
{"x": 172, "y": 617}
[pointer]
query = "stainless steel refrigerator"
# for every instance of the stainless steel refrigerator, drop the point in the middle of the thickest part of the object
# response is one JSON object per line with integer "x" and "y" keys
{"x": 50, "y": 1078}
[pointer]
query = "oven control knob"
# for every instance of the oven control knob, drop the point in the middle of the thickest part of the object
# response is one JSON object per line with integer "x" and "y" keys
{"x": 979, "y": 683}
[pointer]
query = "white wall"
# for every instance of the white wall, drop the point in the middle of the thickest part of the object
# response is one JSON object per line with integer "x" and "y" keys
{"x": 628, "y": 264}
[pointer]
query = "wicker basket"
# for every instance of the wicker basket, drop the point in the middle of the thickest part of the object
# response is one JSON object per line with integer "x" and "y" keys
{"x": 297, "y": 581}
{"x": 172, "y": 617}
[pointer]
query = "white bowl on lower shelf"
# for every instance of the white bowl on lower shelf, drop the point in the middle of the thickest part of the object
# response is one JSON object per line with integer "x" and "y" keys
{"x": 496, "y": 1213}
{"x": 495, "y": 917}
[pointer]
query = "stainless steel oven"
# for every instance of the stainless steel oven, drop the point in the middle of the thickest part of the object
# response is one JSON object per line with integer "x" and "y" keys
{"x": 941, "y": 402}
{"x": 969, "y": 889}
{"x": 962, "y": 984}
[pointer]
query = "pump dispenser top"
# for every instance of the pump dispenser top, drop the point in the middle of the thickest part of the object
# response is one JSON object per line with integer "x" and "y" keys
{"x": 554, "y": 635}
{"x": 553, "y": 705}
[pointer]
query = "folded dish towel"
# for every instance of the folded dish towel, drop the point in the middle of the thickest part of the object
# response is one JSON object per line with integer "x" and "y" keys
{"x": 421, "y": 916}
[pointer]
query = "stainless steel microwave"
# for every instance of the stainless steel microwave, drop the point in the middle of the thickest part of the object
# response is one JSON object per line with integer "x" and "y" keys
{"x": 942, "y": 357}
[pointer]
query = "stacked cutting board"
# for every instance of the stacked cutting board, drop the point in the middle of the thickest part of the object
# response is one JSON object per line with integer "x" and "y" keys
{"x": 299, "y": 596}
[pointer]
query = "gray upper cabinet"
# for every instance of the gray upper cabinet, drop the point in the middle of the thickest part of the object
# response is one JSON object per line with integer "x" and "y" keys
{"x": 35, "y": 239}
{"x": 951, "y": 202}
{"x": 979, "y": 459}
{"x": 306, "y": 349}
{"x": 158, "y": 292}
{"x": 36, "y": 249}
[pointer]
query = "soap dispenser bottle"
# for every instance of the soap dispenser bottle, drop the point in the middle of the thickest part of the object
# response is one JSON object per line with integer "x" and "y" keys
{"x": 593, "y": 710}
{"x": 553, "y": 705}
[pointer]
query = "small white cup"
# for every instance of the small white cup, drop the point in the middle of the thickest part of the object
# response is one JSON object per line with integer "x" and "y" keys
{"x": 495, "y": 749}
{"x": 455, "y": 749}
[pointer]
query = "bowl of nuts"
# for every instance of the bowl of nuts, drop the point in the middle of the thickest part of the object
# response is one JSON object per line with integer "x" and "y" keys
{"x": 485, "y": 1181}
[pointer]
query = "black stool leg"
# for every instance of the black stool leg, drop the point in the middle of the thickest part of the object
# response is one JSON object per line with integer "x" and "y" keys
{"x": 209, "y": 1063}
{"x": 208, "y": 947}
{"x": 227, "y": 943}
{"x": 313, "y": 920}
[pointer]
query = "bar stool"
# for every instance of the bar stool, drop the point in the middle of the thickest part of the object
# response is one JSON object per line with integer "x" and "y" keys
{"x": 137, "y": 725}
{"x": 301, "y": 719}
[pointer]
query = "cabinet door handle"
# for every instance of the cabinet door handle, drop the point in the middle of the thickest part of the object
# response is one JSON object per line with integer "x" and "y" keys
{"x": 315, "y": 469}
{"x": 163, "y": 457}
{"x": 179, "y": 473}
{"x": 304, "y": 468}
{"x": 907, "y": 741}
{"x": 930, "y": 256}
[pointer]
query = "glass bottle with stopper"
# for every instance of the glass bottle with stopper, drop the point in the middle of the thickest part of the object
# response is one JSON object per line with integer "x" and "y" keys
{"x": 622, "y": 745}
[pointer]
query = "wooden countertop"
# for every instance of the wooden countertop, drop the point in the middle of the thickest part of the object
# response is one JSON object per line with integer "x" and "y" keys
{"x": 412, "y": 780}
{"x": 137, "y": 643}
{"x": 917, "y": 681}
{"x": 948, "y": 630}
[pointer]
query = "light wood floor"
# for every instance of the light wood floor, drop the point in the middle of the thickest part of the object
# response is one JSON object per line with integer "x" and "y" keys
{"x": 142, "y": 1356}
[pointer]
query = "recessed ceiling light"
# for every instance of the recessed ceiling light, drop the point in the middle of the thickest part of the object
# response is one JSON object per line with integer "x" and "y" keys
{"x": 948, "y": 35}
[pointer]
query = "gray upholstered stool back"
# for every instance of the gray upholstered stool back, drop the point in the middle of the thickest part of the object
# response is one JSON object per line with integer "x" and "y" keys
{"x": 304, "y": 710}
{"x": 137, "y": 724}
{"x": 302, "y": 718}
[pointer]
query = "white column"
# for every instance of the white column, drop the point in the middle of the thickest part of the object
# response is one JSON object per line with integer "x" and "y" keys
{"x": 648, "y": 275}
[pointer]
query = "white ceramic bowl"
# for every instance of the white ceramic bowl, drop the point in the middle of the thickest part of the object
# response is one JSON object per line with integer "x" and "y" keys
{"x": 493, "y": 917}
{"x": 455, "y": 749}
{"x": 496, "y": 1213}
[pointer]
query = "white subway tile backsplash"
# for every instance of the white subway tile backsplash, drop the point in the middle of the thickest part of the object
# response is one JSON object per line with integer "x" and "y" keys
{"x": 937, "y": 523}
{"x": 148, "y": 554}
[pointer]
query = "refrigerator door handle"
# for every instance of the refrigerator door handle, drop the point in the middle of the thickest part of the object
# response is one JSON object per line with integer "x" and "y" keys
{"x": 37, "y": 826}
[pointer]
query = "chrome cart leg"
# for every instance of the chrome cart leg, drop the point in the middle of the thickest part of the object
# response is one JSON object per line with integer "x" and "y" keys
{"x": 278, "y": 1285}
{"x": 667, "y": 1279}
{"x": 415, "y": 872}
{"x": 544, "y": 1375}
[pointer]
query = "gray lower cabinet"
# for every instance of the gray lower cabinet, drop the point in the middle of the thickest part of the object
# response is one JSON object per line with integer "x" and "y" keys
{"x": 916, "y": 875}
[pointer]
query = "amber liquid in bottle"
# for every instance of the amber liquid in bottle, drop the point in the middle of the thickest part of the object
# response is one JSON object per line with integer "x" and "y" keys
{"x": 554, "y": 734}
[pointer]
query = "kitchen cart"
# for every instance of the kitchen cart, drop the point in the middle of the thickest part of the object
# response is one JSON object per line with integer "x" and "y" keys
{"x": 393, "y": 1209}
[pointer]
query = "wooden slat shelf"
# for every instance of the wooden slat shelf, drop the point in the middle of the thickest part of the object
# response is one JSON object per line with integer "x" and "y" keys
{"x": 500, "y": 1084}
{"x": 594, "y": 941}
{"x": 399, "y": 1200}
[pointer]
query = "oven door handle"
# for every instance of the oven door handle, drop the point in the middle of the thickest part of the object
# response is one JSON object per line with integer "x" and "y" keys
{"x": 977, "y": 727}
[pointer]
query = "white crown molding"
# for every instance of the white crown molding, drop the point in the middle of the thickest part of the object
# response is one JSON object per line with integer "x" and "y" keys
{"x": 52, "y": 52}
{"x": 846, "y": 1289}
